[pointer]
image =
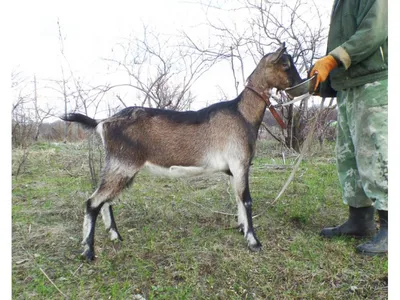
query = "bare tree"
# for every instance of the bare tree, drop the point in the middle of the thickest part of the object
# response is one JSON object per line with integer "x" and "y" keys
{"x": 159, "y": 69}
{"x": 230, "y": 44}
{"x": 293, "y": 26}
{"x": 22, "y": 118}
{"x": 63, "y": 84}
{"x": 77, "y": 95}
{"x": 40, "y": 114}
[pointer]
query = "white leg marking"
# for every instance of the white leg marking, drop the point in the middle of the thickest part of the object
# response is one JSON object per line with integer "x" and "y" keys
{"x": 251, "y": 239}
{"x": 105, "y": 213}
{"x": 85, "y": 249}
{"x": 238, "y": 187}
{"x": 242, "y": 216}
{"x": 86, "y": 228}
{"x": 113, "y": 235}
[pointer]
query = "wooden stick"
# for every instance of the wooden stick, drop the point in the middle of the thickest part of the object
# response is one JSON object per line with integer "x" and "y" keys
{"x": 51, "y": 281}
{"x": 77, "y": 269}
{"x": 273, "y": 135}
{"x": 304, "y": 149}
{"x": 213, "y": 211}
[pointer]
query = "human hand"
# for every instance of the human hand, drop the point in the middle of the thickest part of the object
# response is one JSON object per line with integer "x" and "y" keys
{"x": 322, "y": 68}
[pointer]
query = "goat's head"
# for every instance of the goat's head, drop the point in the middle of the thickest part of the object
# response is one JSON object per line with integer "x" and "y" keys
{"x": 275, "y": 70}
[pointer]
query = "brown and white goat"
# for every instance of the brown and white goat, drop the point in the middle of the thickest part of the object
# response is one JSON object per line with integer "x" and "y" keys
{"x": 218, "y": 138}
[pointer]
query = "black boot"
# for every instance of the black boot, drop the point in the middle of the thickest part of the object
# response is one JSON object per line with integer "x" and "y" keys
{"x": 360, "y": 224}
{"x": 379, "y": 243}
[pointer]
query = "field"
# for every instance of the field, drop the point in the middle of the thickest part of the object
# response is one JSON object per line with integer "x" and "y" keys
{"x": 180, "y": 240}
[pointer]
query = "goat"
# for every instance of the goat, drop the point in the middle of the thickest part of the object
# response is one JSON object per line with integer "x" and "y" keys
{"x": 218, "y": 138}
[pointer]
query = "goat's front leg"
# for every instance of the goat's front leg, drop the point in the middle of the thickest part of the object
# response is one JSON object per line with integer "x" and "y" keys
{"x": 109, "y": 221}
{"x": 240, "y": 184}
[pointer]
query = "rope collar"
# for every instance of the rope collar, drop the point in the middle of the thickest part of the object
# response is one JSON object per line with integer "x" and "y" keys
{"x": 265, "y": 97}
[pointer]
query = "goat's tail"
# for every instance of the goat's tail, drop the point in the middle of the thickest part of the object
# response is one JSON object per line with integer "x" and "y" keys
{"x": 85, "y": 121}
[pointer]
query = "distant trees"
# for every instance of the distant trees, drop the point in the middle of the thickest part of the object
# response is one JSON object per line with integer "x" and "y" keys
{"x": 26, "y": 115}
{"x": 21, "y": 121}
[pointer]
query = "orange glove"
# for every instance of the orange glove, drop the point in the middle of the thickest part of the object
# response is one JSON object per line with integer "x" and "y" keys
{"x": 322, "y": 68}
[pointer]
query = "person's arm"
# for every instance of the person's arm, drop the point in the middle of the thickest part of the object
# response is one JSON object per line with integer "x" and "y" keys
{"x": 371, "y": 33}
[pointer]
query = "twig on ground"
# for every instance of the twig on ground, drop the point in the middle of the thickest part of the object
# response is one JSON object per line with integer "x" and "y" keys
{"x": 216, "y": 211}
{"x": 213, "y": 211}
{"x": 73, "y": 274}
{"x": 269, "y": 166}
{"x": 21, "y": 261}
{"x": 290, "y": 178}
{"x": 232, "y": 227}
{"x": 69, "y": 173}
{"x": 51, "y": 281}
{"x": 228, "y": 188}
{"x": 27, "y": 252}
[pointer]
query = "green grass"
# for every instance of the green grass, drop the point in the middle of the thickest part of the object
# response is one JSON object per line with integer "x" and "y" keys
{"x": 175, "y": 244}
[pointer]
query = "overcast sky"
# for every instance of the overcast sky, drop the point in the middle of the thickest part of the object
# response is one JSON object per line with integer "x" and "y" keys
{"x": 92, "y": 28}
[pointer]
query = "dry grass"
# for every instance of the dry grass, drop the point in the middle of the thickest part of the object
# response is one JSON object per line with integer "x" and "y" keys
{"x": 175, "y": 245}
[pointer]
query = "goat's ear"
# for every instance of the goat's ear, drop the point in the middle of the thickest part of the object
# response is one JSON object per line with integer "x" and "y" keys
{"x": 274, "y": 57}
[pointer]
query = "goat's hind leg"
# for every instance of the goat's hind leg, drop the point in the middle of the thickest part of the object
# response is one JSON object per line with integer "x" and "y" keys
{"x": 109, "y": 222}
{"x": 89, "y": 223}
{"x": 241, "y": 211}
{"x": 112, "y": 183}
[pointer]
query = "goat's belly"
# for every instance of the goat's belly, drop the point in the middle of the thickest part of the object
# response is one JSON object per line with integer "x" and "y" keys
{"x": 178, "y": 171}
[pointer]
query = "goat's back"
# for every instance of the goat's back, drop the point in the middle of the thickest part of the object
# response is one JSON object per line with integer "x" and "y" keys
{"x": 170, "y": 138}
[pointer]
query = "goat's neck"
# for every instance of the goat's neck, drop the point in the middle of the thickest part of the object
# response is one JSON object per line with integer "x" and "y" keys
{"x": 252, "y": 106}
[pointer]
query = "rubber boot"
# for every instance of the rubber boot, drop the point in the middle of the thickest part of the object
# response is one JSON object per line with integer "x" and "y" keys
{"x": 361, "y": 223}
{"x": 378, "y": 245}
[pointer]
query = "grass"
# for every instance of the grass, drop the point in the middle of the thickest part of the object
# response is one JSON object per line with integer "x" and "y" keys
{"x": 175, "y": 245}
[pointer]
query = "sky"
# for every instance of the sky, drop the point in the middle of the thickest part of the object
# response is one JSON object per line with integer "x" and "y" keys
{"x": 91, "y": 30}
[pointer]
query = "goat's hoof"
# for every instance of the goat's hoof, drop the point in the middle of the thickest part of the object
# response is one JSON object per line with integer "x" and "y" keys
{"x": 88, "y": 255}
{"x": 255, "y": 247}
{"x": 114, "y": 235}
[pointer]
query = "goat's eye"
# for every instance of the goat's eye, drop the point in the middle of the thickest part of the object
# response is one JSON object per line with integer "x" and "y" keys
{"x": 286, "y": 66}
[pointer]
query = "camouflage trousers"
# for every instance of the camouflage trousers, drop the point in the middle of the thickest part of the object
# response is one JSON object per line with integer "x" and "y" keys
{"x": 362, "y": 145}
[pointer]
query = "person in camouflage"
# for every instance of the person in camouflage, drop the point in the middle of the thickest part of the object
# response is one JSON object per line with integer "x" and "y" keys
{"x": 355, "y": 70}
